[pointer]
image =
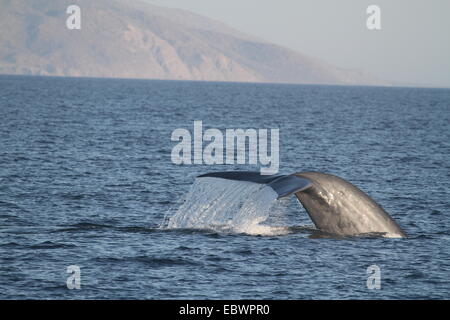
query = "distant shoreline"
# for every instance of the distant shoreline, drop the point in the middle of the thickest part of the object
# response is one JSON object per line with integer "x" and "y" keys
{"x": 393, "y": 86}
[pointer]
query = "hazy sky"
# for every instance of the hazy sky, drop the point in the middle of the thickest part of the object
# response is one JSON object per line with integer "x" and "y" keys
{"x": 413, "y": 45}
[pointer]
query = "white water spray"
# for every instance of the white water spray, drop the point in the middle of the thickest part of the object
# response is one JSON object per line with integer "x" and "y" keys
{"x": 228, "y": 205}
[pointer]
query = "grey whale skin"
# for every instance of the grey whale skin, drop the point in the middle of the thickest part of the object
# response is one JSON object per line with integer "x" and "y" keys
{"x": 334, "y": 205}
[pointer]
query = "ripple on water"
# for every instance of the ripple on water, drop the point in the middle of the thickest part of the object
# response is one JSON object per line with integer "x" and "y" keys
{"x": 95, "y": 188}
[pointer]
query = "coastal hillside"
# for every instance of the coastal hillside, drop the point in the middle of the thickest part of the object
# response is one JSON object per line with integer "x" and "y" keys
{"x": 133, "y": 39}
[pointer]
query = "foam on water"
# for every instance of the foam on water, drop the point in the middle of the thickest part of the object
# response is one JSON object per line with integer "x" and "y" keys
{"x": 227, "y": 205}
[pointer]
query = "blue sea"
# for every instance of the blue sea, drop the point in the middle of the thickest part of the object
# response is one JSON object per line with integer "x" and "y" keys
{"x": 86, "y": 179}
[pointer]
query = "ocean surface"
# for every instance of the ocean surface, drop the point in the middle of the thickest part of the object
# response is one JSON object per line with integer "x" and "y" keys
{"x": 86, "y": 179}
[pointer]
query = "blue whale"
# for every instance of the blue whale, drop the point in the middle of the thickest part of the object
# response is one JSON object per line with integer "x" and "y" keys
{"x": 334, "y": 205}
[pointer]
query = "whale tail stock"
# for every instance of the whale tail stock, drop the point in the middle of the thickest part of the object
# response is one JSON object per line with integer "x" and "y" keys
{"x": 334, "y": 205}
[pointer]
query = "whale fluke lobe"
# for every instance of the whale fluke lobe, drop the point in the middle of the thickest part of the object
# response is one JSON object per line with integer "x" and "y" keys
{"x": 283, "y": 185}
{"x": 250, "y": 176}
{"x": 334, "y": 205}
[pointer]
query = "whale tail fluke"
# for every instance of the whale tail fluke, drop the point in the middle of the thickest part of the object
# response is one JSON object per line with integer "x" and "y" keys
{"x": 334, "y": 205}
{"x": 283, "y": 185}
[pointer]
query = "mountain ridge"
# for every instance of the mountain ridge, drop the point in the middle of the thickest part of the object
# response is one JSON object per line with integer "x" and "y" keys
{"x": 133, "y": 39}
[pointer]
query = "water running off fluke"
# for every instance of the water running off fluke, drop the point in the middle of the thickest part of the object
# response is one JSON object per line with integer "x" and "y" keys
{"x": 242, "y": 201}
{"x": 228, "y": 206}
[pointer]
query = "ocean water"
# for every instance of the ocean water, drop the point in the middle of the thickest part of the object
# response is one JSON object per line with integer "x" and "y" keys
{"x": 86, "y": 179}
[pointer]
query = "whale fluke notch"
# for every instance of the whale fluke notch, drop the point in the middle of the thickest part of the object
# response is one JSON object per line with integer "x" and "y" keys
{"x": 334, "y": 205}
